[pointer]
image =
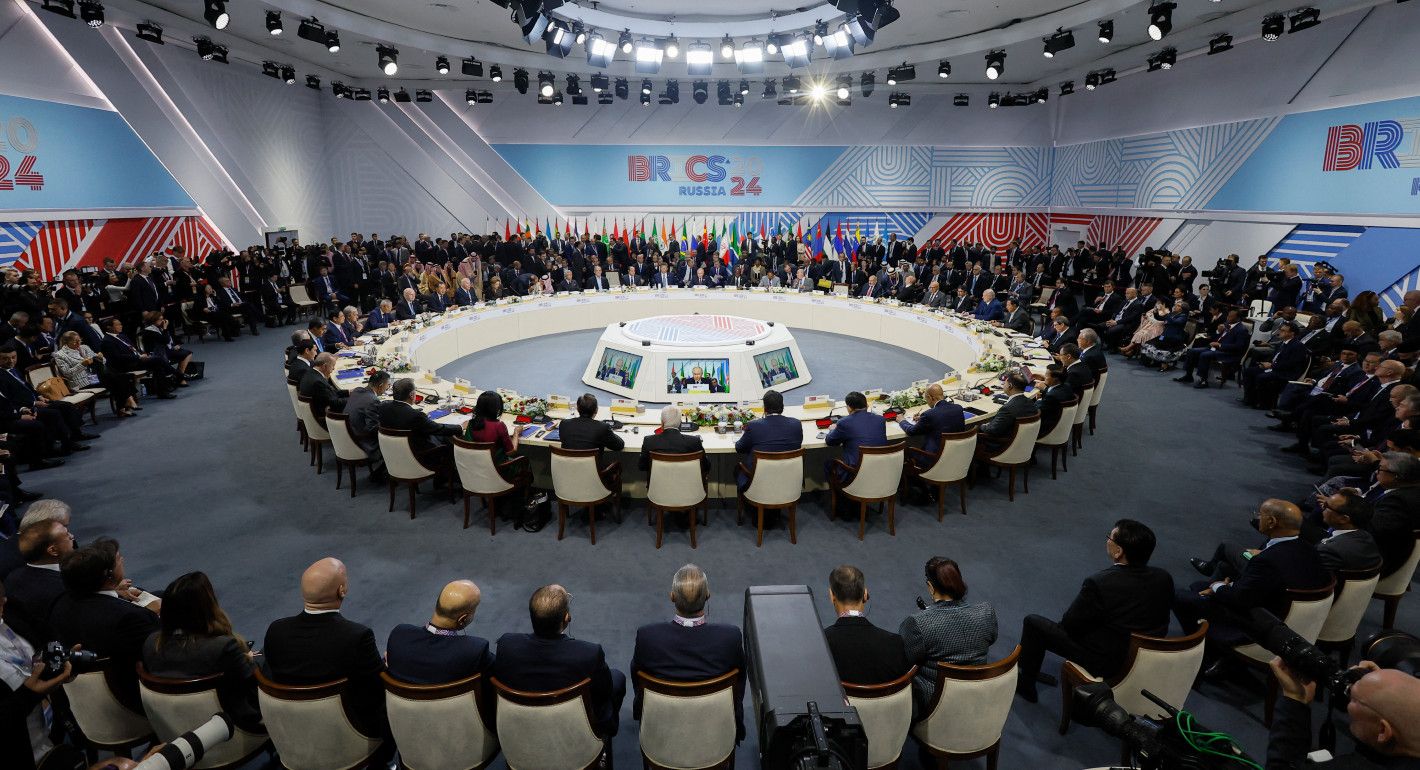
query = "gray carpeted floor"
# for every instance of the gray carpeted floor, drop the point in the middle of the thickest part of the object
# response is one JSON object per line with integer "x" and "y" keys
{"x": 216, "y": 481}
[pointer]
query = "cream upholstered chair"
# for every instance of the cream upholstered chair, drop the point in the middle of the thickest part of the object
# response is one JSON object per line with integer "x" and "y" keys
{"x": 1165, "y": 666}
{"x": 483, "y": 477}
{"x": 104, "y": 721}
{"x": 1095, "y": 397}
{"x": 444, "y": 726}
{"x": 348, "y": 454}
{"x": 877, "y": 479}
{"x": 951, "y": 465}
{"x": 1077, "y": 434}
{"x": 1058, "y": 439}
{"x": 302, "y": 299}
{"x": 1353, "y": 594}
{"x": 539, "y": 730}
{"x": 775, "y": 482}
{"x": 1016, "y": 454}
{"x": 84, "y": 398}
{"x": 310, "y": 727}
{"x": 688, "y": 725}
{"x": 578, "y": 482}
{"x": 296, "y": 407}
{"x": 401, "y": 465}
{"x": 175, "y": 706}
{"x": 1391, "y": 589}
{"x": 886, "y": 713}
{"x": 968, "y": 710}
{"x": 1306, "y": 614}
{"x": 677, "y": 484}
{"x": 316, "y": 434}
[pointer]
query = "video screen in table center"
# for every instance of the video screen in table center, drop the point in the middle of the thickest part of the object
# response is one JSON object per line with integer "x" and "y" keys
{"x": 698, "y": 375}
{"x": 776, "y": 367}
{"x": 618, "y": 367}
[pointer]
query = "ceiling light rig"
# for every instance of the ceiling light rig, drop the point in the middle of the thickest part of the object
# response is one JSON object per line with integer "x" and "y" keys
{"x": 1106, "y": 32}
{"x": 150, "y": 32}
{"x": 1220, "y": 43}
{"x": 994, "y": 100}
{"x": 866, "y": 83}
{"x": 273, "y": 24}
{"x": 215, "y": 12}
{"x": 1303, "y": 18}
{"x": 93, "y": 13}
{"x": 1160, "y": 20}
{"x": 961, "y": 100}
{"x": 944, "y": 69}
{"x": 1062, "y": 40}
{"x": 1163, "y": 60}
{"x": 61, "y": 7}
{"x": 388, "y": 58}
{"x": 1272, "y": 27}
{"x": 995, "y": 64}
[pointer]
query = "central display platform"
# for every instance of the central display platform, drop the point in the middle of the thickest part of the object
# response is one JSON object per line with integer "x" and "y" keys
{"x": 696, "y": 358}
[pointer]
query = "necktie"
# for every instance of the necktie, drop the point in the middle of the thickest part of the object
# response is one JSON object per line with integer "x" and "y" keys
{"x": 1358, "y": 386}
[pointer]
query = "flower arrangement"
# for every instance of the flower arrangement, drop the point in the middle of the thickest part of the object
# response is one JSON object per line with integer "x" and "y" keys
{"x": 714, "y": 414}
{"x": 392, "y": 363}
{"x": 533, "y": 408}
{"x": 902, "y": 400}
{"x": 991, "y": 363}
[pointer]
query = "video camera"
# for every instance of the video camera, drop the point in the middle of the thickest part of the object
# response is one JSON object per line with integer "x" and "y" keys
{"x": 1177, "y": 743}
{"x": 1387, "y": 649}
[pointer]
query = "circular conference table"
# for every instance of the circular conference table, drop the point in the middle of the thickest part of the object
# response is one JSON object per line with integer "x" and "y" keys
{"x": 433, "y": 341}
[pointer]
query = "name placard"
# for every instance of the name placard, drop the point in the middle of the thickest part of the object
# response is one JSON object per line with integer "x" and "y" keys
{"x": 625, "y": 406}
{"x": 823, "y": 403}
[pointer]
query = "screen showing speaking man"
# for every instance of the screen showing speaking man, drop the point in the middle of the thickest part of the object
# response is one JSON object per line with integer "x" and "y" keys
{"x": 698, "y": 375}
{"x": 619, "y": 368}
{"x": 776, "y": 367}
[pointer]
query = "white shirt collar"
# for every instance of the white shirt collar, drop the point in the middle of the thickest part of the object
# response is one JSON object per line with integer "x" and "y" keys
{"x": 310, "y": 611}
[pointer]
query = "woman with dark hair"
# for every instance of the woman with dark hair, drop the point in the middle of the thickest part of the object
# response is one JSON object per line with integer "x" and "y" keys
{"x": 948, "y": 630}
{"x": 487, "y": 426}
{"x": 196, "y": 639}
{"x": 1366, "y": 310}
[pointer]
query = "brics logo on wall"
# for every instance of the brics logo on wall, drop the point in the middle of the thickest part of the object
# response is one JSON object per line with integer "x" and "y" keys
{"x": 1378, "y": 144}
{"x": 706, "y": 175}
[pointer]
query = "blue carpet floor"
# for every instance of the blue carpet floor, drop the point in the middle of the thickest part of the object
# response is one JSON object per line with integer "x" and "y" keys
{"x": 216, "y": 481}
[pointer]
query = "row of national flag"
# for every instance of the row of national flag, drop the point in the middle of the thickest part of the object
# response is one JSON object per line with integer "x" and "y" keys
{"x": 726, "y": 240}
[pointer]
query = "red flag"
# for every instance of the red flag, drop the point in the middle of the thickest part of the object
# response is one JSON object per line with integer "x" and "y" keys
{"x": 761, "y": 231}
{"x": 507, "y": 230}
{"x": 818, "y": 242}
{"x": 615, "y": 232}
{"x": 673, "y": 228}
{"x": 799, "y": 231}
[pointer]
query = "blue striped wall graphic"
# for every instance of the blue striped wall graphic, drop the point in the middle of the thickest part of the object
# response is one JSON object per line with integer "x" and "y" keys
{"x": 15, "y": 237}
{"x": 1308, "y": 244}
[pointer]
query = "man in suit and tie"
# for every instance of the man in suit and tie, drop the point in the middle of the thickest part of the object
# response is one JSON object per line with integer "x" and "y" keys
{"x": 1126, "y": 598}
{"x": 1076, "y": 372}
{"x": 143, "y": 292}
{"x": 63, "y": 422}
{"x": 230, "y": 305}
{"x": 381, "y": 317}
{"x": 362, "y": 409}
{"x": 997, "y": 432}
{"x": 1349, "y": 544}
{"x": 303, "y": 353}
{"x": 335, "y": 337}
{"x": 771, "y": 433}
{"x": 1264, "y": 380}
{"x": 1125, "y": 320}
{"x": 1366, "y": 412}
{"x": 1395, "y": 499}
{"x": 1103, "y": 309}
{"x": 1052, "y": 392}
{"x": 872, "y": 289}
{"x": 689, "y": 648}
{"x": 1228, "y": 348}
{"x": 979, "y": 282}
{"x": 585, "y": 431}
{"x": 316, "y": 386}
{"x": 440, "y": 651}
{"x": 940, "y": 416}
{"x": 862, "y": 652}
{"x": 858, "y": 428}
{"x": 671, "y": 441}
{"x": 320, "y": 645}
{"x": 36, "y": 584}
{"x": 935, "y": 297}
{"x": 409, "y": 306}
{"x": 66, "y": 320}
{"x": 548, "y": 659}
{"x": 430, "y": 439}
{"x": 596, "y": 281}
{"x": 965, "y": 302}
{"x": 989, "y": 308}
{"x": 662, "y": 278}
{"x": 1015, "y": 317}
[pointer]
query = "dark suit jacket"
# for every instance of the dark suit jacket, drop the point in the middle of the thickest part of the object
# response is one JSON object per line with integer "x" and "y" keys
{"x": 944, "y": 417}
{"x": 1004, "y": 421}
{"x": 671, "y": 651}
{"x": 10, "y": 557}
{"x": 1266, "y": 577}
{"x": 1079, "y": 376}
{"x": 119, "y": 353}
{"x": 1052, "y": 404}
{"x": 589, "y": 433}
{"x": 1352, "y": 550}
{"x": 1234, "y": 341}
{"x": 534, "y": 664}
{"x": 309, "y": 649}
{"x": 405, "y": 311}
{"x": 864, "y": 653}
{"x": 771, "y": 433}
{"x": 1112, "y": 604}
{"x": 1094, "y": 357}
{"x": 335, "y": 335}
{"x": 296, "y": 371}
{"x": 112, "y": 628}
{"x": 416, "y": 656}
{"x": 398, "y": 415}
{"x": 1290, "y": 360}
{"x": 30, "y": 596}
{"x": 1396, "y": 516}
{"x": 673, "y": 442}
{"x": 322, "y": 393}
{"x": 857, "y": 430}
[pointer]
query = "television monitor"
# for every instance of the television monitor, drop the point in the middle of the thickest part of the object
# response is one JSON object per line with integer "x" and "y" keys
{"x": 698, "y": 375}
{"x": 619, "y": 368}
{"x": 776, "y": 367}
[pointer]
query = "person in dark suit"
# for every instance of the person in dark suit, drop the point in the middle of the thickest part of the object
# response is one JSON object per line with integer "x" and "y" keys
{"x": 1118, "y": 328}
{"x": 1228, "y": 348}
{"x": 1396, "y": 500}
{"x": 316, "y": 385}
{"x": 548, "y": 659}
{"x": 1103, "y": 309}
{"x": 430, "y": 438}
{"x": 585, "y": 431}
{"x": 862, "y": 652}
{"x": 771, "y": 433}
{"x": 121, "y": 356}
{"x": 440, "y": 651}
{"x": 1063, "y": 334}
{"x": 230, "y": 304}
{"x": 1349, "y": 544}
{"x": 1092, "y": 352}
{"x": 1077, "y": 373}
{"x": 62, "y": 421}
{"x": 336, "y": 337}
{"x": 935, "y": 297}
{"x": 97, "y": 611}
{"x": 1053, "y": 392}
{"x": 1015, "y": 317}
{"x": 409, "y": 306}
{"x": 1263, "y": 381}
{"x": 1241, "y": 579}
{"x": 36, "y": 584}
{"x": 858, "y": 428}
{"x": 940, "y": 416}
{"x": 1128, "y": 597}
{"x": 142, "y": 290}
{"x": 363, "y": 410}
{"x": 689, "y": 648}
{"x": 670, "y": 440}
{"x": 300, "y": 363}
{"x": 996, "y": 433}
{"x": 320, "y": 645}
{"x": 380, "y": 317}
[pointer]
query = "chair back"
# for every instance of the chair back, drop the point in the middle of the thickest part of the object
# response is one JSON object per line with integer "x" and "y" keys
{"x": 341, "y": 438}
{"x": 441, "y": 726}
{"x": 687, "y": 725}
{"x": 1353, "y": 594}
{"x": 676, "y": 481}
{"x": 954, "y": 462}
{"x": 1398, "y": 582}
{"x": 175, "y": 706}
{"x": 399, "y": 457}
{"x": 1087, "y": 397}
{"x": 314, "y": 430}
{"x": 879, "y": 471}
{"x": 310, "y": 727}
{"x": 1306, "y": 614}
{"x": 1099, "y": 388}
{"x": 478, "y": 471}
{"x": 547, "y": 729}
{"x": 295, "y": 398}
{"x": 1165, "y": 666}
{"x": 39, "y": 373}
{"x": 575, "y": 477}
{"x": 1060, "y": 434}
{"x": 969, "y": 707}
{"x": 886, "y": 713}
{"x": 104, "y": 721}
{"x": 299, "y": 295}
{"x": 1045, "y": 295}
{"x": 778, "y": 478}
{"x": 1022, "y": 445}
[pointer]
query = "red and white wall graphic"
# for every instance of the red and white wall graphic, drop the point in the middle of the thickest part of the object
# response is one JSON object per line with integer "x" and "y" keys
{"x": 996, "y": 230}
{"x": 1126, "y": 233}
{"x": 55, "y": 246}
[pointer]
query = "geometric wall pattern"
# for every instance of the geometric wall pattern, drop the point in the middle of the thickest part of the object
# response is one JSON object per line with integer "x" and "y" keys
{"x": 921, "y": 176}
{"x": 1126, "y": 233}
{"x": 55, "y": 246}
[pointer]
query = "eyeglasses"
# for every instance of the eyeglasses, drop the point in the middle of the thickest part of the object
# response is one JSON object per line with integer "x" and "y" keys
{"x": 1383, "y": 469}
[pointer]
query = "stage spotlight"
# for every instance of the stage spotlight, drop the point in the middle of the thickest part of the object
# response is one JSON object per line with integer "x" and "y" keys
{"x": 700, "y": 91}
{"x": 388, "y": 58}
{"x": 892, "y": 100}
{"x": 61, "y": 7}
{"x": 672, "y": 47}
{"x": 1106, "y": 77}
{"x": 313, "y": 82}
{"x": 791, "y": 84}
{"x": 269, "y": 69}
{"x": 744, "y": 87}
{"x": 441, "y": 65}
{"x": 1062, "y": 40}
{"x": 215, "y": 12}
{"x": 624, "y": 42}
{"x": 727, "y": 48}
{"x": 1272, "y": 27}
{"x": 496, "y": 74}
{"x": 994, "y": 100}
{"x": 672, "y": 94}
{"x": 1220, "y": 43}
{"x": 845, "y": 86}
{"x": 1067, "y": 88}
{"x": 901, "y": 74}
{"x": 899, "y": 99}
{"x": 558, "y": 40}
{"x": 699, "y": 59}
{"x": 885, "y": 15}
{"x": 470, "y": 96}
{"x": 471, "y": 67}
{"x": 579, "y": 33}
{"x": 648, "y": 56}
{"x": 273, "y": 23}
{"x": 1160, "y": 20}
{"x": 288, "y": 74}
{"x": 859, "y": 28}
{"x": 605, "y": 98}
{"x": 557, "y": 99}
{"x": 600, "y": 83}
{"x": 723, "y": 94}
{"x": 520, "y": 80}
{"x": 623, "y": 88}
{"x": 839, "y": 44}
{"x": 340, "y": 90}
{"x": 739, "y": 101}
{"x": 150, "y": 32}
{"x": 750, "y": 57}
{"x": 312, "y": 30}
{"x": 646, "y": 86}
{"x": 205, "y": 48}
{"x": 866, "y": 84}
{"x": 645, "y": 100}
{"x": 820, "y": 31}
{"x": 771, "y": 44}
{"x": 944, "y": 69}
{"x": 797, "y": 52}
{"x": 362, "y": 95}
{"x": 382, "y": 95}
{"x": 332, "y": 41}
{"x": 424, "y": 95}
{"x": 485, "y": 97}
{"x": 995, "y": 64}
{"x": 1163, "y": 60}
{"x": 961, "y": 100}
{"x": 402, "y": 97}
{"x": 1304, "y": 18}
{"x": 1092, "y": 81}
{"x": 1106, "y": 33}
{"x": 544, "y": 83}
{"x": 817, "y": 92}
{"x": 1042, "y": 95}
{"x": 770, "y": 90}
{"x": 600, "y": 51}
{"x": 92, "y": 13}
{"x": 532, "y": 22}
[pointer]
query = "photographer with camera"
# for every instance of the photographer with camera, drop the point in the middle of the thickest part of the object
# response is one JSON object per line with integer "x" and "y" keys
{"x": 24, "y": 734}
{"x": 1384, "y": 709}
